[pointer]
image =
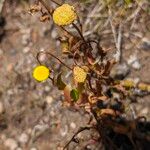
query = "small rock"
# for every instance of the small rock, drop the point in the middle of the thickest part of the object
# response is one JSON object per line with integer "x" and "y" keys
{"x": 26, "y": 36}
{"x": 54, "y": 34}
{"x": 145, "y": 45}
{"x": 3, "y": 137}
{"x": 64, "y": 131}
{"x": 134, "y": 62}
{"x": 1, "y": 108}
{"x": 42, "y": 57}
{"x": 60, "y": 148}
{"x": 72, "y": 125}
{"x": 136, "y": 80}
{"x": 11, "y": 144}
{"x": 144, "y": 111}
{"x": 88, "y": 147}
{"x": 47, "y": 88}
{"x": 39, "y": 129}
{"x": 120, "y": 71}
{"x": 33, "y": 148}
{"x": 26, "y": 50}
{"x": 46, "y": 119}
{"x": 29, "y": 130}
{"x": 136, "y": 65}
{"x": 49, "y": 100}
{"x": 52, "y": 113}
{"x": 10, "y": 92}
{"x": 23, "y": 139}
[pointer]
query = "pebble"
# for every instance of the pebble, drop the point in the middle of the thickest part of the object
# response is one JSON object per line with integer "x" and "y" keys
{"x": 72, "y": 125}
{"x": 3, "y": 137}
{"x": 39, "y": 129}
{"x": 145, "y": 45}
{"x": 26, "y": 36}
{"x": 131, "y": 59}
{"x": 42, "y": 56}
{"x": 43, "y": 31}
{"x": 54, "y": 34}
{"x": 144, "y": 111}
{"x": 52, "y": 113}
{"x": 134, "y": 62}
{"x": 11, "y": 144}
{"x": 46, "y": 119}
{"x": 120, "y": 71}
{"x": 33, "y": 148}
{"x": 1, "y": 108}
{"x": 136, "y": 80}
{"x": 29, "y": 130}
{"x": 64, "y": 131}
{"x": 49, "y": 100}
{"x": 26, "y": 50}
{"x": 136, "y": 65}
{"x": 47, "y": 88}
{"x": 60, "y": 148}
{"x": 88, "y": 147}
{"x": 23, "y": 139}
{"x": 10, "y": 92}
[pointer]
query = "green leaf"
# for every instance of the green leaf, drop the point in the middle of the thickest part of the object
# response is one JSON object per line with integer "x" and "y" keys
{"x": 59, "y": 83}
{"x": 74, "y": 94}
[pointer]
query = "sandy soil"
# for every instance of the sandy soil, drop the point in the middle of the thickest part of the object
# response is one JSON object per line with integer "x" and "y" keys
{"x": 31, "y": 113}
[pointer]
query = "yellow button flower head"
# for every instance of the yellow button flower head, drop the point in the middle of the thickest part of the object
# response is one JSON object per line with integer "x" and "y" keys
{"x": 79, "y": 74}
{"x": 41, "y": 73}
{"x": 64, "y": 15}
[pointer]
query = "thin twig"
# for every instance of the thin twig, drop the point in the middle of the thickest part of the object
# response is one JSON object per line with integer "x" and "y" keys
{"x": 55, "y": 2}
{"x": 81, "y": 35}
{"x": 134, "y": 14}
{"x": 80, "y": 24}
{"x": 47, "y": 7}
{"x": 116, "y": 39}
{"x": 69, "y": 33}
{"x": 73, "y": 138}
{"x": 119, "y": 43}
{"x": 112, "y": 27}
{"x": 45, "y": 52}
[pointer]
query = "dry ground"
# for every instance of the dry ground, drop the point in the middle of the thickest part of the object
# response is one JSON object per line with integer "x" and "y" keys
{"x": 32, "y": 116}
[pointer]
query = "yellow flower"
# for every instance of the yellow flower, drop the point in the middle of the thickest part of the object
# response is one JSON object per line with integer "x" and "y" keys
{"x": 64, "y": 15}
{"x": 79, "y": 74}
{"x": 41, "y": 73}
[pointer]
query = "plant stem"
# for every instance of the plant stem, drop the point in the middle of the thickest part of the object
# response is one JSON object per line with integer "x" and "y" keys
{"x": 38, "y": 54}
{"x": 46, "y": 6}
{"x": 81, "y": 35}
{"x": 55, "y": 2}
{"x": 73, "y": 139}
